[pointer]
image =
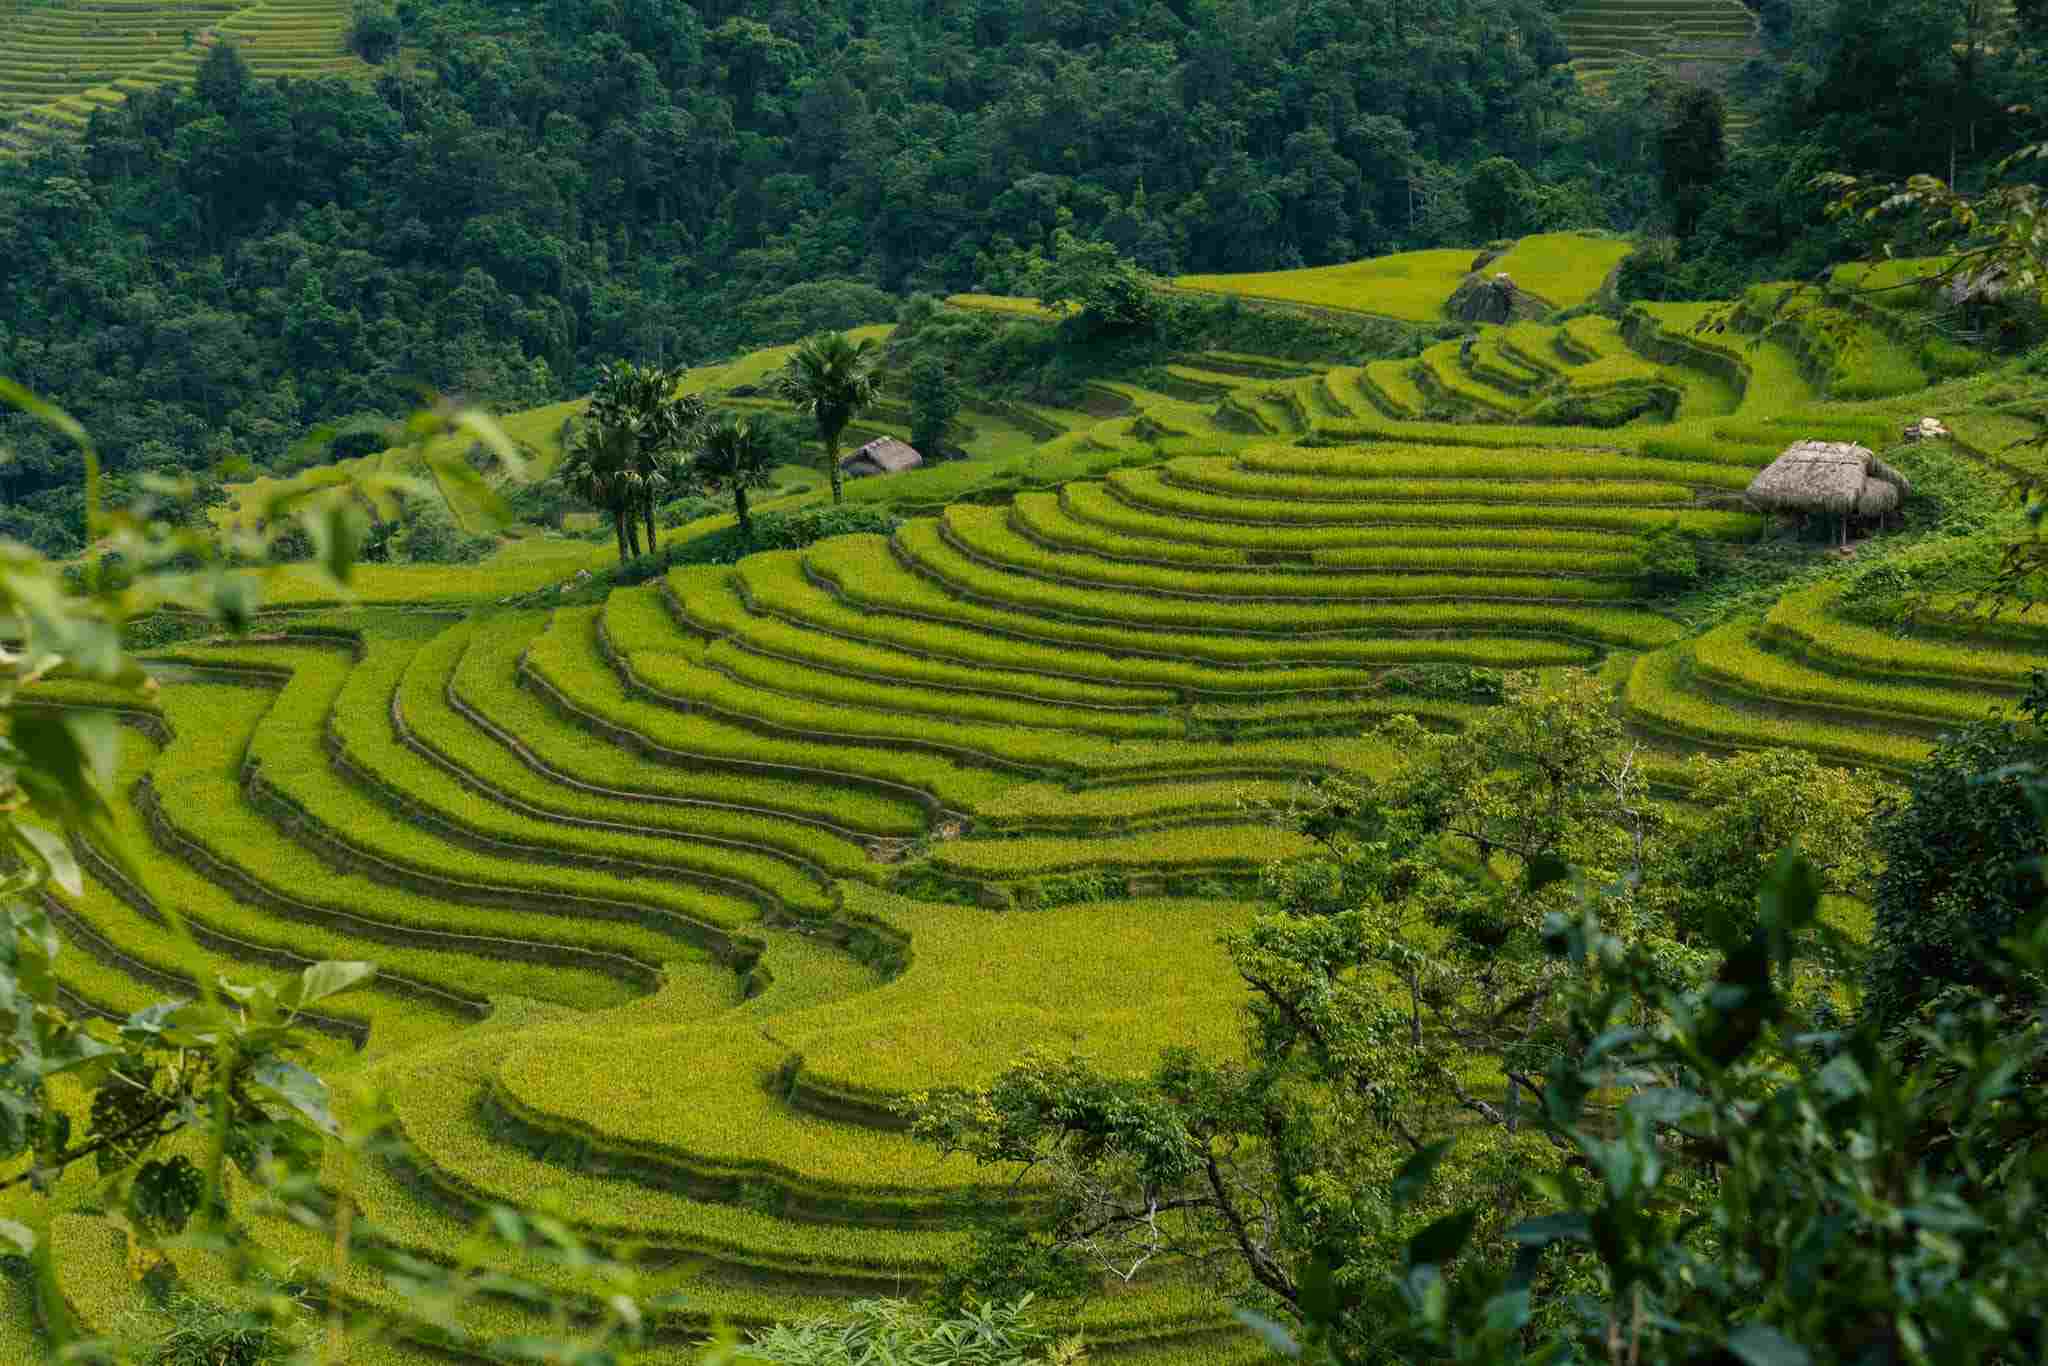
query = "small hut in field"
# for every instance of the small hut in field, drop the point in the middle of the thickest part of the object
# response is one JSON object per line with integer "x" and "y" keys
{"x": 1835, "y": 479}
{"x": 883, "y": 455}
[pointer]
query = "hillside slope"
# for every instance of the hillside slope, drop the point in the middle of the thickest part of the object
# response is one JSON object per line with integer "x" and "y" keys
{"x": 678, "y": 889}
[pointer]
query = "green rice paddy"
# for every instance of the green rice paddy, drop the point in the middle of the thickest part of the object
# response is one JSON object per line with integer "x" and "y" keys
{"x": 675, "y": 893}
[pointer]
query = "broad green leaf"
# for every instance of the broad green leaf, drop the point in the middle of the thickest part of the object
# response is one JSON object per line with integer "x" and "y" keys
{"x": 1544, "y": 869}
{"x": 299, "y": 1089}
{"x": 1415, "y": 1173}
{"x": 1442, "y": 1240}
{"x": 55, "y": 852}
{"x": 1319, "y": 1300}
{"x": 336, "y": 531}
{"x": 1759, "y": 1344}
{"x": 325, "y": 979}
{"x": 481, "y": 426}
{"x": 62, "y": 758}
{"x": 1274, "y": 1335}
{"x": 1551, "y": 1228}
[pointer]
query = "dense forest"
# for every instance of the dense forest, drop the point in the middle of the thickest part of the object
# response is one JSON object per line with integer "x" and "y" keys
{"x": 524, "y": 194}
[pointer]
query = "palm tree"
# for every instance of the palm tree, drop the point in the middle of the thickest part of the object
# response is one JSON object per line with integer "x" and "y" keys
{"x": 832, "y": 379}
{"x": 645, "y": 403}
{"x": 732, "y": 454}
{"x": 599, "y": 470}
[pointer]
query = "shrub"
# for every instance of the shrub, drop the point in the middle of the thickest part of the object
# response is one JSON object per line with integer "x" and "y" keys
{"x": 792, "y": 530}
{"x": 1670, "y": 559}
{"x": 1961, "y": 860}
{"x": 430, "y": 536}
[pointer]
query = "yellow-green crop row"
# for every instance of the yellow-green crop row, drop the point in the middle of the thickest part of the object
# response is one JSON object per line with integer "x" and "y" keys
{"x": 856, "y": 567}
{"x": 435, "y": 1096}
{"x": 922, "y": 544}
{"x": 1613, "y": 372}
{"x": 445, "y": 946}
{"x": 1413, "y": 285}
{"x": 932, "y": 753}
{"x": 432, "y": 723}
{"x": 1727, "y": 656}
{"x": 199, "y": 798}
{"x": 1050, "y": 977}
{"x": 1004, "y": 303}
{"x": 1464, "y": 474}
{"x": 986, "y": 535}
{"x": 694, "y": 1096}
{"x": 361, "y": 721}
{"x": 1144, "y": 489}
{"x": 917, "y": 616}
{"x": 1593, "y": 337}
{"x": 721, "y": 611}
{"x": 487, "y": 682}
{"x": 567, "y": 659}
{"x": 1041, "y": 517}
{"x": 1479, "y": 462}
{"x": 1531, "y": 345}
{"x": 1659, "y": 696}
{"x": 392, "y": 1022}
{"x": 1223, "y": 479}
{"x": 289, "y": 747}
{"x": 1443, "y": 367}
{"x": 1201, "y": 847}
{"x": 784, "y": 678}
{"x": 1093, "y": 505}
{"x": 1495, "y": 435}
{"x": 1049, "y": 806}
{"x": 1697, "y": 448}
{"x": 1389, "y": 385}
{"x": 1491, "y": 362}
{"x": 1802, "y": 617}
{"x": 1564, "y": 269}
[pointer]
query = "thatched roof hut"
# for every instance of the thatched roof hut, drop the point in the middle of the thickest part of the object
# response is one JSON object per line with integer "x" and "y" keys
{"x": 1833, "y": 478}
{"x": 883, "y": 455}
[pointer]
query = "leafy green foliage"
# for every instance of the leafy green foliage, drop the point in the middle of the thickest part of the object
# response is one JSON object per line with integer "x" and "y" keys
{"x": 730, "y": 455}
{"x": 1960, "y": 852}
{"x": 831, "y": 379}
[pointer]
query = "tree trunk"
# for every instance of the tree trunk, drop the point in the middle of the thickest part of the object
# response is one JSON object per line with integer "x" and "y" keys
{"x": 650, "y": 524}
{"x": 739, "y": 504}
{"x": 832, "y": 459}
{"x": 619, "y": 530}
{"x": 632, "y": 531}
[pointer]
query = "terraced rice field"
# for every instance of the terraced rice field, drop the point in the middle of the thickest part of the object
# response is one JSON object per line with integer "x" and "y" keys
{"x": 61, "y": 60}
{"x": 1562, "y": 268}
{"x": 1702, "y": 40}
{"x": 676, "y": 893}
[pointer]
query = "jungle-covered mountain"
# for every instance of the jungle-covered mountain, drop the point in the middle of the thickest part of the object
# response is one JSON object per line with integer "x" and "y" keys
{"x": 521, "y": 192}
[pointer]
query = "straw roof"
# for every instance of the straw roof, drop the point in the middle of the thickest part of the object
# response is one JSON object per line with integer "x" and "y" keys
{"x": 1834, "y": 477}
{"x": 883, "y": 455}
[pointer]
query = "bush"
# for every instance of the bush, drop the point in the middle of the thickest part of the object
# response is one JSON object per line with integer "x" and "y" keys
{"x": 1670, "y": 560}
{"x": 1445, "y": 683}
{"x": 782, "y": 531}
{"x": 430, "y": 536}
{"x": 1961, "y": 861}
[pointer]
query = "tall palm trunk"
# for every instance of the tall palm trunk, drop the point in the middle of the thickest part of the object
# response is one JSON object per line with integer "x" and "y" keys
{"x": 832, "y": 467}
{"x": 619, "y": 530}
{"x": 650, "y": 524}
{"x": 739, "y": 503}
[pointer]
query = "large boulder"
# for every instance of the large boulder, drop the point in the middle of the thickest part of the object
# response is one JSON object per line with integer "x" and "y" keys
{"x": 1483, "y": 298}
